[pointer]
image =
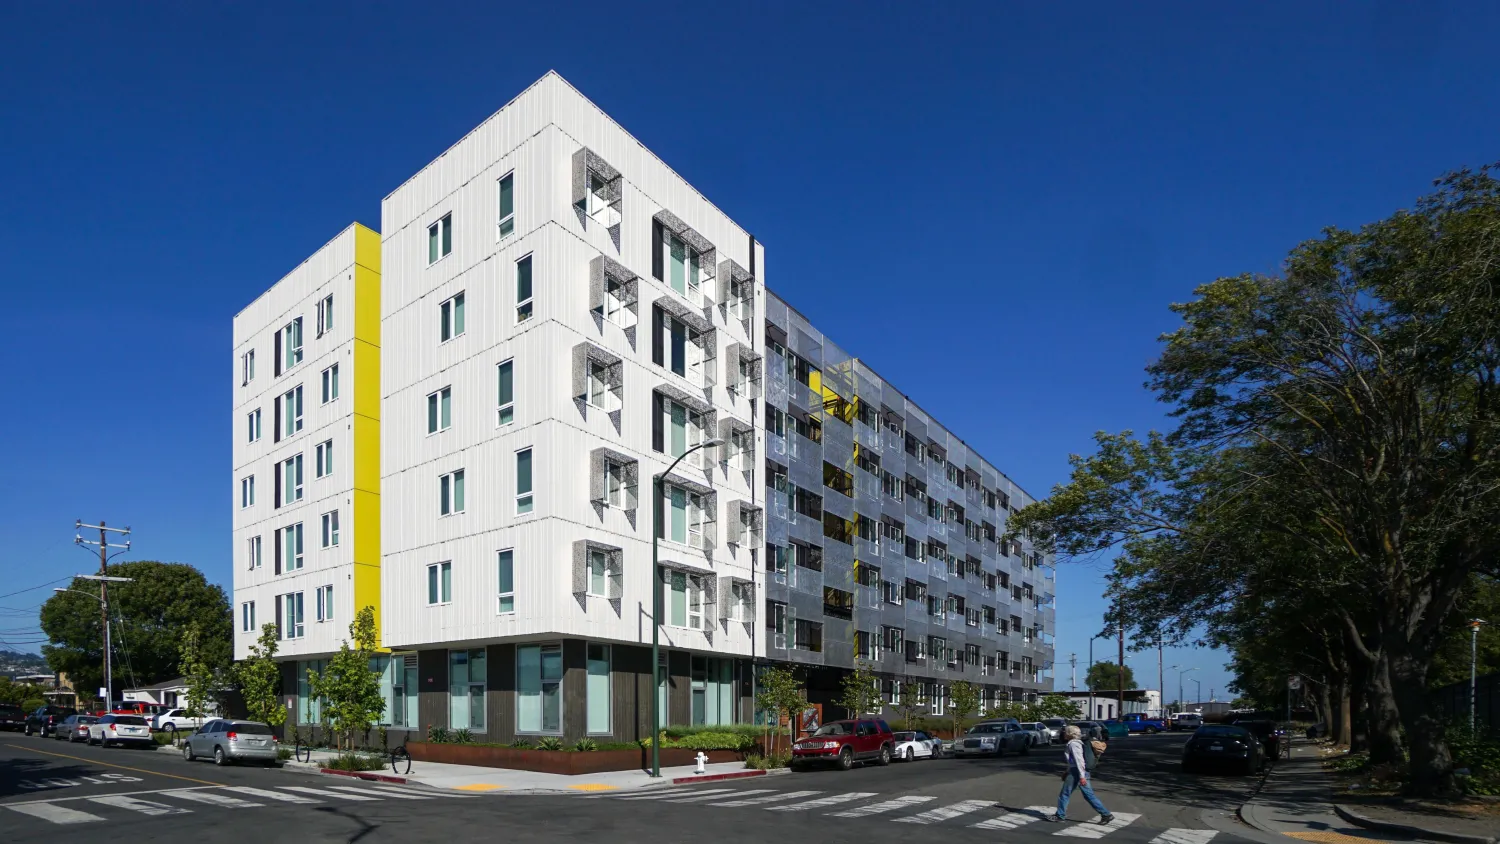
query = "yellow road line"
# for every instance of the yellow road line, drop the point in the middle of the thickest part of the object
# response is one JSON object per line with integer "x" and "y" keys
{"x": 112, "y": 765}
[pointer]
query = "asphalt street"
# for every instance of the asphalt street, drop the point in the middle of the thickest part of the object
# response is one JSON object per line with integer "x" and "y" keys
{"x": 56, "y": 792}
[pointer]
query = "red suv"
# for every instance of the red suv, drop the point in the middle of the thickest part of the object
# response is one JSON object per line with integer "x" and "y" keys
{"x": 845, "y": 742}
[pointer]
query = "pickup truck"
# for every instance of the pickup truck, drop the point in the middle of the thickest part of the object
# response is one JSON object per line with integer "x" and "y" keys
{"x": 1139, "y": 723}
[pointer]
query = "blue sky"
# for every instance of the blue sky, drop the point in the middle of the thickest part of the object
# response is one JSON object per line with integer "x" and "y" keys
{"x": 992, "y": 203}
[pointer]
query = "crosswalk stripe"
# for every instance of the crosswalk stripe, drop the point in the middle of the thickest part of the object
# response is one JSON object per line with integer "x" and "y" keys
{"x": 769, "y": 798}
{"x": 54, "y": 813}
{"x": 213, "y": 798}
{"x": 1185, "y": 836}
{"x": 393, "y": 789}
{"x": 1094, "y": 830}
{"x": 267, "y": 794}
{"x": 655, "y": 793}
{"x": 828, "y": 801}
{"x": 323, "y": 792}
{"x": 704, "y": 795}
{"x": 877, "y": 808}
{"x": 674, "y": 795}
{"x": 145, "y": 807}
{"x": 1030, "y": 814}
{"x": 943, "y": 813}
{"x": 365, "y": 793}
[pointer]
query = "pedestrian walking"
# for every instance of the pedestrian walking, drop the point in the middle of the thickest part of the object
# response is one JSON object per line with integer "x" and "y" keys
{"x": 1081, "y": 759}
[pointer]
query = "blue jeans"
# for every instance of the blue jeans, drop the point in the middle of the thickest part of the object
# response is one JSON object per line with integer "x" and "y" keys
{"x": 1070, "y": 782}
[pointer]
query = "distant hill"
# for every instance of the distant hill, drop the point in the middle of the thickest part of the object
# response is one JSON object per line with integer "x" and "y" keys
{"x": 13, "y": 663}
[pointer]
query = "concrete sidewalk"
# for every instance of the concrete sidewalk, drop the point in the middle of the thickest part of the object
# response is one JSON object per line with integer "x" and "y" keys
{"x": 477, "y": 779}
{"x": 1296, "y": 800}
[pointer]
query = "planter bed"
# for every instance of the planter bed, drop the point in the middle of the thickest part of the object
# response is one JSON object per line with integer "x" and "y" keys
{"x": 565, "y": 762}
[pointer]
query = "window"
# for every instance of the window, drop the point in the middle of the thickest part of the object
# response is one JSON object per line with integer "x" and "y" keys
{"x": 325, "y": 315}
{"x": 539, "y": 675}
{"x": 598, "y": 376}
{"x": 598, "y": 690}
{"x": 292, "y": 617}
{"x": 291, "y": 484}
{"x": 466, "y": 678}
{"x": 247, "y": 617}
{"x": 323, "y": 459}
{"x": 675, "y": 427}
{"x": 331, "y": 529}
{"x": 614, "y": 483}
{"x": 523, "y": 481}
{"x": 451, "y": 318}
{"x": 290, "y": 340}
{"x": 523, "y": 289}
{"x": 685, "y": 600}
{"x": 681, "y": 348}
{"x": 686, "y": 266}
{"x": 440, "y": 410}
{"x": 247, "y": 492}
{"x": 505, "y": 581}
{"x": 506, "y": 393}
{"x": 614, "y": 300}
{"x": 291, "y": 547}
{"x": 685, "y": 515}
{"x": 808, "y": 636}
{"x": 451, "y": 493}
{"x": 439, "y": 583}
{"x": 247, "y": 367}
{"x": 325, "y": 602}
{"x": 741, "y": 601}
{"x": 252, "y": 553}
{"x": 291, "y": 406}
{"x": 252, "y": 425}
{"x": 507, "y": 204}
{"x": 440, "y": 239}
{"x": 598, "y": 573}
{"x": 330, "y": 383}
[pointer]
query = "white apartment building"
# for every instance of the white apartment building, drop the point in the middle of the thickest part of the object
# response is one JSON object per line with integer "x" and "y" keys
{"x": 562, "y": 317}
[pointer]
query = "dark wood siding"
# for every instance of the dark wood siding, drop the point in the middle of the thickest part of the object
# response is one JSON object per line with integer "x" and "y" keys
{"x": 631, "y": 683}
{"x": 500, "y": 694}
{"x": 575, "y": 690}
{"x": 432, "y": 686}
{"x": 679, "y": 688}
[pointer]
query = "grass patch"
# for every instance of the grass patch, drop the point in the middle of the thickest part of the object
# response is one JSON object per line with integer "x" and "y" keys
{"x": 767, "y": 762}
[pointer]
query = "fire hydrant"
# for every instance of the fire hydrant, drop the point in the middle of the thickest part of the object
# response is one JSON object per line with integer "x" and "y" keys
{"x": 702, "y": 757}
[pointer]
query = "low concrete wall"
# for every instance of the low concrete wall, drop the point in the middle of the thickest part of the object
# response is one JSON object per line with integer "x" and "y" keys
{"x": 558, "y": 761}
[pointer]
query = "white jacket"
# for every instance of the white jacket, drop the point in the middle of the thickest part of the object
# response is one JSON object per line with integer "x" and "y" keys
{"x": 1074, "y": 754}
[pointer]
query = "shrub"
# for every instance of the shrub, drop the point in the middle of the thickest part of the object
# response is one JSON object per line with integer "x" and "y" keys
{"x": 463, "y": 737}
{"x": 438, "y": 735}
{"x": 584, "y": 745}
{"x": 1480, "y": 755}
{"x": 763, "y": 763}
{"x": 712, "y": 741}
{"x": 521, "y": 744}
{"x": 355, "y": 762}
{"x": 549, "y": 743}
{"x": 754, "y": 731}
{"x": 162, "y": 738}
{"x": 283, "y": 753}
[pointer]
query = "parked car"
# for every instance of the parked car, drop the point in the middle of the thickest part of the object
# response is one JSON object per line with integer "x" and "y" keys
{"x": 1092, "y": 730}
{"x": 12, "y": 717}
{"x": 177, "y": 719}
{"x": 1137, "y": 722}
{"x": 909, "y": 747}
{"x": 845, "y": 742}
{"x": 1267, "y": 733}
{"x": 121, "y": 730}
{"x": 932, "y": 741}
{"x": 46, "y": 718}
{"x": 74, "y": 728}
{"x": 1222, "y": 745}
{"x": 1186, "y": 721}
{"x": 1115, "y": 728}
{"x": 1039, "y": 735}
{"x": 993, "y": 738}
{"x": 224, "y": 741}
{"x": 1055, "y": 727}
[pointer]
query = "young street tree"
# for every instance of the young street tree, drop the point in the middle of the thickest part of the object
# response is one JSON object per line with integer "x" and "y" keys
{"x": 909, "y": 702}
{"x": 780, "y": 693}
{"x": 348, "y": 686}
{"x": 963, "y": 701}
{"x": 260, "y": 679}
{"x": 861, "y": 692}
{"x": 1338, "y": 450}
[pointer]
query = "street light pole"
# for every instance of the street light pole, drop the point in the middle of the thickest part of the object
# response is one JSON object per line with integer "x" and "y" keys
{"x": 656, "y": 584}
{"x": 1180, "y": 701}
{"x": 1474, "y": 625}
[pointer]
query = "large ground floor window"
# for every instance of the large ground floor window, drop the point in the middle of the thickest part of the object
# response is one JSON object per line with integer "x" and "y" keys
{"x": 713, "y": 689}
{"x": 539, "y": 675}
{"x": 398, "y": 687}
{"x": 466, "y": 678}
{"x": 309, "y": 707}
{"x": 599, "y": 690}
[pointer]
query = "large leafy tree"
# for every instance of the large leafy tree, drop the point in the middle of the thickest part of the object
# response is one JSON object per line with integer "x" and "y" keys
{"x": 1105, "y": 677}
{"x": 150, "y": 616}
{"x": 1337, "y": 450}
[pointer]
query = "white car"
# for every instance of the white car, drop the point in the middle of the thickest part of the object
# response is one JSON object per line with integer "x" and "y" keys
{"x": 1055, "y": 727}
{"x": 911, "y": 746}
{"x": 121, "y": 730}
{"x": 1040, "y": 737}
{"x": 177, "y": 719}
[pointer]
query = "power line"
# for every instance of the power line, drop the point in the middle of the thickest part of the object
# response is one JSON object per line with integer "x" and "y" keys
{"x": 34, "y": 588}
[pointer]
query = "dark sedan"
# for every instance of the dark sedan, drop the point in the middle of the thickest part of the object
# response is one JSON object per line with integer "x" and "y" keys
{"x": 12, "y": 717}
{"x": 1222, "y": 746}
{"x": 1268, "y": 733}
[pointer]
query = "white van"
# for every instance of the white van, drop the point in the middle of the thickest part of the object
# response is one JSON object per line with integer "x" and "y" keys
{"x": 1187, "y": 721}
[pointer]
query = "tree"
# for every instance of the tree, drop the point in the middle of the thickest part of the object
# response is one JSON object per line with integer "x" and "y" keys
{"x": 260, "y": 679}
{"x": 203, "y": 683}
{"x": 1105, "y": 676}
{"x": 779, "y": 693}
{"x": 1055, "y": 706}
{"x": 861, "y": 691}
{"x": 17, "y": 694}
{"x": 1343, "y": 414}
{"x": 149, "y": 615}
{"x": 348, "y": 687}
{"x": 909, "y": 701}
{"x": 963, "y": 701}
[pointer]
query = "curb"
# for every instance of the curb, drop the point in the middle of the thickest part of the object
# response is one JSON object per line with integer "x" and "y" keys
{"x": 363, "y": 775}
{"x": 735, "y": 775}
{"x": 1405, "y": 829}
{"x": 1247, "y": 814}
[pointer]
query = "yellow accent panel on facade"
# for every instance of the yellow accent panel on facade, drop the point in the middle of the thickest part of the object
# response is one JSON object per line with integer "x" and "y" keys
{"x": 815, "y": 381}
{"x": 366, "y": 457}
{"x": 366, "y": 423}
{"x": 366, "y": 305}
{"x": 367, "y": 247}
{"x": 366, "y": 588}
{"x": 367, "y": 387}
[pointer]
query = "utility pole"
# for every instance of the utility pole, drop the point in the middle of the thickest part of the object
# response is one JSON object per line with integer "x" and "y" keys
{"x": 1120, "y": 675}
{"x": 1474, "y": 625}
{"x": 104, "y": 546}
{"x": 1160, "y": 691}
{"x": 1073, "y": 660}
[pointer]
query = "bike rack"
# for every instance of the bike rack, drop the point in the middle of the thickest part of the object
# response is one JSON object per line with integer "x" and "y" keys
{"x": 398, "y": 756}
